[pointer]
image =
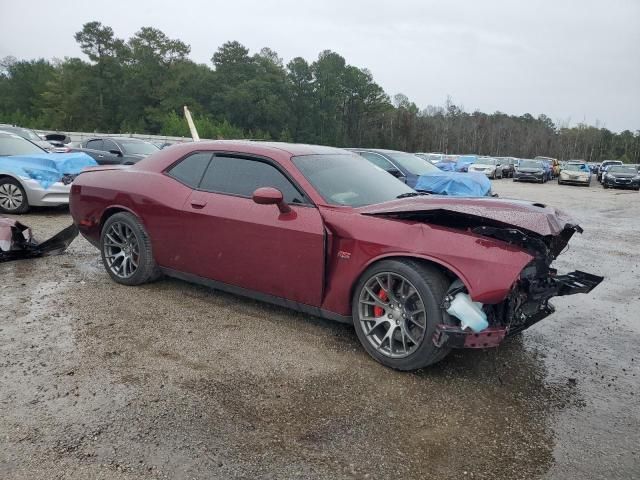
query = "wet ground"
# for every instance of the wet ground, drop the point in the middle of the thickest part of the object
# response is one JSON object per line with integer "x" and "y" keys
{"x": 172, "y": 380}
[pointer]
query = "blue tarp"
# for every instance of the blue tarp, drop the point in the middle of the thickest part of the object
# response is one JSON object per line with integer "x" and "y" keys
{"x": 46, "y": 168}
{"x": 463, "y": 162}
{"x": 455, "y": 184}
{"x": 446, "y": 166}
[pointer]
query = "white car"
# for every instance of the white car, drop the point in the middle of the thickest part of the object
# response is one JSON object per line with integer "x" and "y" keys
{"x": 490, "y": 166}
{"x": 577, "y": 173}
{"x": 30, "y": 176}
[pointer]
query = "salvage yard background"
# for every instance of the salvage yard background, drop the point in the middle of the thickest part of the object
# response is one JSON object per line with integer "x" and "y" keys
{"x": 172, "y": 380}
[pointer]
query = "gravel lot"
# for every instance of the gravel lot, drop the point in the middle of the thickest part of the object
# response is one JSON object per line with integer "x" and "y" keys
{"x": 172, "y": 380}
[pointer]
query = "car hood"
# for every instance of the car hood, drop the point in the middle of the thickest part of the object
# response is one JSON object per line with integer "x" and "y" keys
{"x": 622, "y": 175}
{"x": 530, "y": 169}
{"x": 46, "y": 168}
{"x": 481, "y": 165}
{"x": 532, "y": 217}
{"x": 575, "y": 172}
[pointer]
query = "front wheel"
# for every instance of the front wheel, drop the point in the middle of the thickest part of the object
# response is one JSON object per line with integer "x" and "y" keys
{"x": 126, "y": 250}
{"x": 13, "y": 198}
{"x": 396, "y": 308}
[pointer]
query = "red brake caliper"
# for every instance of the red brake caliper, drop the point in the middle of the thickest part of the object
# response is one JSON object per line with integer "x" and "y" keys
{"x": 379, "y": 311}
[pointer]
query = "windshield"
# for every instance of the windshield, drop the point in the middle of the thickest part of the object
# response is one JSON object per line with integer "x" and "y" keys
{"x": 617, "y": 169}
{"x": 485, "y": 161}
{"x": 576, "y": 167}
{"x": 411, "y": 163}
{"x": 349, "y": 180}
{"x": 530, "y": 164}
{"x": 138, "y": 147}
{"x": 10, "y": 145}
{"x": 611, "y": 162}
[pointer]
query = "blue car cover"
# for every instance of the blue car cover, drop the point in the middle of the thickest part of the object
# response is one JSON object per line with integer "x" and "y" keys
{"x": 455, "y": 184}
{"x": 46, "y": 168}
{"x": 446, "y": 166}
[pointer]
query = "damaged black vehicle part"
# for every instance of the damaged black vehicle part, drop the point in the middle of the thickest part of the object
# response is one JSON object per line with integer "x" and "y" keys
{"x": 17, "y": 243}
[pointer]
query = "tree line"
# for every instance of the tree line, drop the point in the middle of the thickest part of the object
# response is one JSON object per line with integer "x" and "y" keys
{"x": 140, "y": 85}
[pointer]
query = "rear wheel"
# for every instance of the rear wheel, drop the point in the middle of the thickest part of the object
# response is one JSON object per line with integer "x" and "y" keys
{"x": 13, "y": 198}
{"x": 126, "y": 250}
{"x": 396, "y": 308}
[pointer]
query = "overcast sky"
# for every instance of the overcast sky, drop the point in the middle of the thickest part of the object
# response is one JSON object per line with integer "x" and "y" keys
{"x": 572, "y": 60}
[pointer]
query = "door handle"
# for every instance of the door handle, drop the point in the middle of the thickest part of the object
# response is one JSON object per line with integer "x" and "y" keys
{"x": 100, "y": 156}
{"x": 198, "y": 203}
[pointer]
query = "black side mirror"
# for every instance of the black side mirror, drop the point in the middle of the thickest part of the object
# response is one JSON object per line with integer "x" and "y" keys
{"x": 116, "y": 152}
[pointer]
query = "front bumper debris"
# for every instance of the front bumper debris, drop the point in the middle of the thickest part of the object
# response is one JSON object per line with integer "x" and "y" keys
{"x": 526, "y": 305}
{"x": 451, "y": 336}
{"x": 17, "y": 243}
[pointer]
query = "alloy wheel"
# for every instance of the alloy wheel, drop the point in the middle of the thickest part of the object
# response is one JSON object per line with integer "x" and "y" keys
{"x": 10, "y": 196}
{"x": 392, "y": 315}
{"x": 121, "y": 250}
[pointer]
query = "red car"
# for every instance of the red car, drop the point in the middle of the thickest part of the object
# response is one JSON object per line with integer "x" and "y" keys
{"x": 324, "y": 231}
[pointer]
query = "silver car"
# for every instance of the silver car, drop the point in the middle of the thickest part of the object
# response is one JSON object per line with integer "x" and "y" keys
{"x": 22, "y": 185}
{"x": 490, "y": 166}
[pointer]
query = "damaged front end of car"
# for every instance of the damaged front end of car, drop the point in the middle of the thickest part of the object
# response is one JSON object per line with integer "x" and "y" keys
{"x": 528, "y": 301}
{"x": 541, "y": 231}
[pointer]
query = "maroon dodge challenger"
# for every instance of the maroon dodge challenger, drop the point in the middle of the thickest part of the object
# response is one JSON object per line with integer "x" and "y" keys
{"x": 326, "y": 232}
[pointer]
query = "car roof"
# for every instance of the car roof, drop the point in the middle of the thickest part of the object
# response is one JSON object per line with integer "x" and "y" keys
{"x": 294, "y": 149}
{"x": 377, "y": 150}
{"x": 118, "y": 139}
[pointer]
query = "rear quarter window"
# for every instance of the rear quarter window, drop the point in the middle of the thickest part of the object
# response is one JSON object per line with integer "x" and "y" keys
{"x": 191, "y": 169}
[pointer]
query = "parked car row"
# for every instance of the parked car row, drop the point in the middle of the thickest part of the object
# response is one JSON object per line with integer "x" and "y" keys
{"x": 417, "y": 275}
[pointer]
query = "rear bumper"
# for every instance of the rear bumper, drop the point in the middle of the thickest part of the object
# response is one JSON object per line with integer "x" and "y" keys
{"x": 518, "y": 312}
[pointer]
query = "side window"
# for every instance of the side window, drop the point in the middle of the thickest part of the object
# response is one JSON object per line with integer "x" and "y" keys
{"x": 378, "y": 161}
{"x": 109, "y": 145}
{"x": 190, "y": 170}
{"x": 240, "y": 176}
{"x": 94, "y": 144}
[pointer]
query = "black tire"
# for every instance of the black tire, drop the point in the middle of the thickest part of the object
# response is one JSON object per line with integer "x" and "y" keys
{"x": 604, "y": 185}
{"x": 12, "y": 183}
{"x": 432, "y": 286}
{"x": 147, "y": 270}
{"x": 515, "y": 179}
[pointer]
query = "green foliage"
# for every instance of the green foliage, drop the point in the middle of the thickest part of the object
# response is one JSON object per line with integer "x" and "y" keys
{"x": 141, "y": 85}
